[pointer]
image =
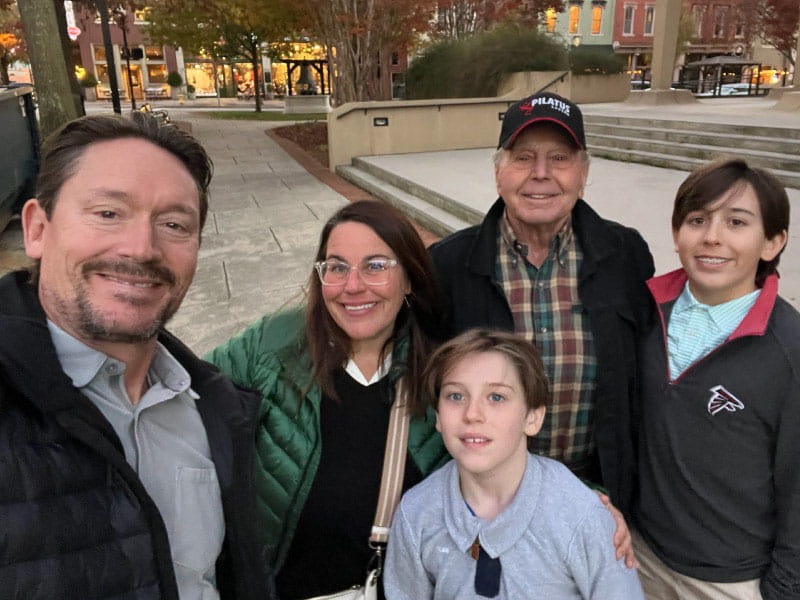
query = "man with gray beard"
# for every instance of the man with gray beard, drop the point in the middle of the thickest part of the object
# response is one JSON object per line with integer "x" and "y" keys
{"x": 126, "y": 460}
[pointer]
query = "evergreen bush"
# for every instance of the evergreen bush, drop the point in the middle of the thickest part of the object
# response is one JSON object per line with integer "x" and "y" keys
{"x": 475, "y": 66}
{"x": 174, "y": 79}
{"x": 595, "y": 60}
{"x": 88, "y": 80}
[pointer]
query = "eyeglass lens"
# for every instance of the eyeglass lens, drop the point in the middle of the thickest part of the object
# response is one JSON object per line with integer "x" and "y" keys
{"x": 372, "y": 272}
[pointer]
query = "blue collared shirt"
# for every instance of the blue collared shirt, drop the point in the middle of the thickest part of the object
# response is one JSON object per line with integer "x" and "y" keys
{"x": 165, "y": 442}
{"x": 695, "y": 329}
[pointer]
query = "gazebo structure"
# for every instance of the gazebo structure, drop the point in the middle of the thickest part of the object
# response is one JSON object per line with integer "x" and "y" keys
{"x": 305, "y": 84}
{"x": 709, "y": 75}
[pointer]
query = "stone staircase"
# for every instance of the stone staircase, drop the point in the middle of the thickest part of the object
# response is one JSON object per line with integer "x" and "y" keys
{"x": 435, "y": 212}
{"x": 681, "y": 145}
{"x": 686, "y": 144}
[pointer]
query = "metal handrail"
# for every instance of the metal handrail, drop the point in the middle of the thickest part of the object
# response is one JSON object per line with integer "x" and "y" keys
{"x": 556, "y": 80}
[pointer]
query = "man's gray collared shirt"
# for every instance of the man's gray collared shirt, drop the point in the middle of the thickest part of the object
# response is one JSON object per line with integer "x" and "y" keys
{"x": 165, "y": 442}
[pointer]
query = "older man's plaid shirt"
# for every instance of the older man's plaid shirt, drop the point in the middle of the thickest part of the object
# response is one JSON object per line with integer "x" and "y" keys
{"x": 547, "y": 311}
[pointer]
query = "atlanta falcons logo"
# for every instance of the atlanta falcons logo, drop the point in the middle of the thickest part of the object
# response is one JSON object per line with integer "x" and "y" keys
{"x": 722, "y": 399}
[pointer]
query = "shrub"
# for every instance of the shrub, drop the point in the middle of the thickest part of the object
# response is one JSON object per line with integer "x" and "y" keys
{"x": 174, "y": 79}
{"x": 475, "y": 66}
{"x": 595, "y": 60}
{"x": 88, "y": 80}
{"x": 190, "y": 89}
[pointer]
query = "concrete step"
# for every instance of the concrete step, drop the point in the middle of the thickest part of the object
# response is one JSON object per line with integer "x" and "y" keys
{"x": 431, "y": 216}
{"x": 759, "y": 158}
{"x": 671, "y": 161}
{"x": 778, "y": 144}
{"x": 701, "y": 126}
{"x": 465, "y": 213}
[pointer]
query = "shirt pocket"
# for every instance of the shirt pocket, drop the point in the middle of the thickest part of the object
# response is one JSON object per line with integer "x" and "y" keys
{"x": 199, "y": 525}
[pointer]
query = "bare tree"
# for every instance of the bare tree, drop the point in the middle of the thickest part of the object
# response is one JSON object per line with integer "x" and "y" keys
{"x": 457, "y": 19}
{"x": 360, "y": 36}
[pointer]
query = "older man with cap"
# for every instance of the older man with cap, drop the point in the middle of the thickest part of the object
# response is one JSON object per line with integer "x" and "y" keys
{"x": 544, "y": 264}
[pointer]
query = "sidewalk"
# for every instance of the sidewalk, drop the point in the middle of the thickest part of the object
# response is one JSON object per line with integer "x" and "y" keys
{"x": 264, "y": 220}
{"x": 265, "y": 215}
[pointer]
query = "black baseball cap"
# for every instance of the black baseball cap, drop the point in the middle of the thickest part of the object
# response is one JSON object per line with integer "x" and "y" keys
{"x": 539, "y": 108}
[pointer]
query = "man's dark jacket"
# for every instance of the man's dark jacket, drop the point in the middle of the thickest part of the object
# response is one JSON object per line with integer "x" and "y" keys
{"x": 75, "y": 520}
{"x": 611, "y": 286}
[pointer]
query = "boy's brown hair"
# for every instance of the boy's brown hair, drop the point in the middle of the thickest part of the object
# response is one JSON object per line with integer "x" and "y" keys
{"x": 712, "y": 180}
{"x": 523, "y": 355}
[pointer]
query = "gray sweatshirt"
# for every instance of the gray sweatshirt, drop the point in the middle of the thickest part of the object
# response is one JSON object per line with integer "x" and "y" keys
{"x": 554, "y": 541}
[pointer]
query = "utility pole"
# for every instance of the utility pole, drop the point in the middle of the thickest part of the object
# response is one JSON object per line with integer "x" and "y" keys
{"x": 49, "y": 65}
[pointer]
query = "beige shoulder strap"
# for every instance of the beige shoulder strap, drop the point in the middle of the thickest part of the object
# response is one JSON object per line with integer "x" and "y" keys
{"x": 394, "y": 465}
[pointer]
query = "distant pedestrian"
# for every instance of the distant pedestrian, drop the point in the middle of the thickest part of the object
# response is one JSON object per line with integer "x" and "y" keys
{"x": 547, "y": 266}
{"x": 125, "y": 461}
{"x": 497, "y": 521}
{"x": 719, "y": 489}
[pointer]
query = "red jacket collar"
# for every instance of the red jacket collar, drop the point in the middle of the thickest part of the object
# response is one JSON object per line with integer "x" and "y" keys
{"x": 669, "y": 286}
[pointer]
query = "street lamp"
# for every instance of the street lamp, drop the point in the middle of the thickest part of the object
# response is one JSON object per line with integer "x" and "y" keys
{"x": 102, "y": 8}
{"x": 121, "y": 16}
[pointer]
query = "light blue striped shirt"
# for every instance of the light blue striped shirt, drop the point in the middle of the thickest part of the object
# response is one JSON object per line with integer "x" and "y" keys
{"x": 695, "y": 329}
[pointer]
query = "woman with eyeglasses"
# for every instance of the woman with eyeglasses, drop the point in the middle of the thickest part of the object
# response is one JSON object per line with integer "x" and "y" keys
{"x": 328, "y": 374}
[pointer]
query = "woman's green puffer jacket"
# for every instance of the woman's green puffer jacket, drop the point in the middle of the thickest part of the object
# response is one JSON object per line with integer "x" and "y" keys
{"x": 271, "y": 356}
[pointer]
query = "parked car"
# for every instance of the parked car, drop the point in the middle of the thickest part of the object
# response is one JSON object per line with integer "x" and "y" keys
{"x": 19, "y": 161}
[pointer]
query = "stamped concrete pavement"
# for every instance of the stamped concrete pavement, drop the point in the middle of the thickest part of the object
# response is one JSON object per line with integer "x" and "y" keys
{"x": 265, "y": 216}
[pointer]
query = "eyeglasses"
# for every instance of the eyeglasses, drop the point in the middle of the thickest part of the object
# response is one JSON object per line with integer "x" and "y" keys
{"x": 373, "y": 271}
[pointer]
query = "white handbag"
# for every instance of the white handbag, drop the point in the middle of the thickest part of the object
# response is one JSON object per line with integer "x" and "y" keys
{"x": 394, "y": 464}
{"x": 368, "y": 591}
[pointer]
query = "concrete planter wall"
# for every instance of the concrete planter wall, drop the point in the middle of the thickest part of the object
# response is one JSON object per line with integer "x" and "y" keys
{"x": 397, "y": 127}
{"x": 299, "y": 105}
{"x": 578, "y": 88}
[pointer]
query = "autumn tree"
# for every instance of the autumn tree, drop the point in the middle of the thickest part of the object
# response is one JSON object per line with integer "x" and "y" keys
{"x": 360, "y": 36}
{"x": 223, "y": 28}
{"x": 775, "y": 22}
{"x": 779, "y": 24}
{"x": 12, "y": 40}
{"x": 457, "y": 19}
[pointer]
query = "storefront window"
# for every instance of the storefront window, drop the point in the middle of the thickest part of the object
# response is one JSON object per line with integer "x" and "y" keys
{"x": 201, "y": 76}
{"x": 102, "y": 73}
{"x": 99, "y": 52}
{"x": 157, "y": 73}
{"x": 154, "y": 52}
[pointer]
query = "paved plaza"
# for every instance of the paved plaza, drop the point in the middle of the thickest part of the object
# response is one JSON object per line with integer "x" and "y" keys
{"x": 266, "y": 212}
{"x": 265, "y": 215}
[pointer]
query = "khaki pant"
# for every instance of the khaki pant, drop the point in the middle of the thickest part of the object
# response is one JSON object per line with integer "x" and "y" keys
{"x": 659, "y": 582}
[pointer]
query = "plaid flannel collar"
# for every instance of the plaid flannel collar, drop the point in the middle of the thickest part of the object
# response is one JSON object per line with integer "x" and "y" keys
{"x": 559, "y": 247}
